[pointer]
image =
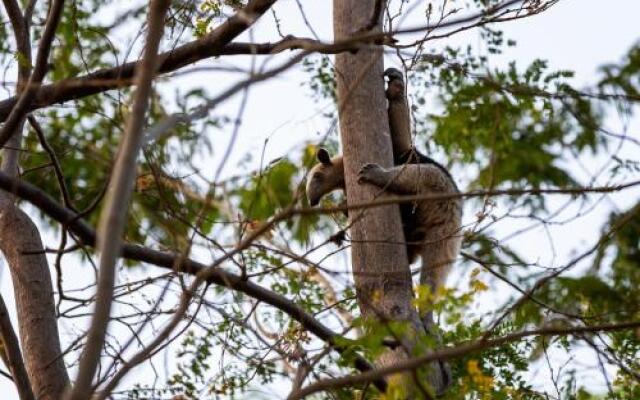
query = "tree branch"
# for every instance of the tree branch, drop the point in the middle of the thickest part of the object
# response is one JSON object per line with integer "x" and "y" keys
{"x": 30, "y": 274}
{"x": 21, "y": 245}
{"x": 20, "y": 31}
{"x": 122, "y": 76}
{"x": 66, "y": 198}
{"x": 173, "y": 262}
{"x": 16, "y": 117}
{"x": 217, "y": 43}
{"x": 114, "y": 215}
{"x": 453, "y": 352}
{"x": 21, "y": 35}
{"x": 14, "y": 355}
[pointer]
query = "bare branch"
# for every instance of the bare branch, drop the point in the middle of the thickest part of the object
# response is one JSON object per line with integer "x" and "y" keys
{"x": 21, "y": 33}
{"x": 15, "y": 119}
{"x": 201, "y": 111}
{"x": 111, "y": 78}
{"x": 113, "y": 216}
{"x": 11, "y": 347}
{"x": 217, "y": 43}
{"x": 66, "y": 199}
{"x": 23, "y": 45}
{"x": 170, "y": 261}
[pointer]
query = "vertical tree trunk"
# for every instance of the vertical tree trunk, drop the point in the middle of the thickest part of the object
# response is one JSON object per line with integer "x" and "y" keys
{"x": 379, "y": 259}
{"x": 21, "y": 245}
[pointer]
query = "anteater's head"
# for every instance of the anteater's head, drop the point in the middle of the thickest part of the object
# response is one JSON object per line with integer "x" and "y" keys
{"x": 324, "y": 177}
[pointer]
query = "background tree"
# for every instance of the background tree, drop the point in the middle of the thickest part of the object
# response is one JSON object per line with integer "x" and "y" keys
{"x": 213, "y": 277}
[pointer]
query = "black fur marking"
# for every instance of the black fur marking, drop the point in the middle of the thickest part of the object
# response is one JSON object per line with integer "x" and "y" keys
{"x": 412, "y": 228}
{"x": 413, "y": 156}
{"x": 413, "y": 234}
{"x": 338, "y": 238}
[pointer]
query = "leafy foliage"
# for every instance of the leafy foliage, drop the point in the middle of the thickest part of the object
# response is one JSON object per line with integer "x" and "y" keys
{"x": 499, "y": 128}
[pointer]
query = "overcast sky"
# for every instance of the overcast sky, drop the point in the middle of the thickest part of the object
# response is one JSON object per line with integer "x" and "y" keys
{"x": 578, "y": 35}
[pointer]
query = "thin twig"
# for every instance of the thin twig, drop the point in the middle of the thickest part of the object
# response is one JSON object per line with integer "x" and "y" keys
{"x": 40, "y": 69}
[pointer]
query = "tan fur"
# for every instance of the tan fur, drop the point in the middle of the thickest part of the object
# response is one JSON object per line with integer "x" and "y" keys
{"x": 432, "y": 228}
{"x": 324, "y": 178}
{"x": 435, "y": 226}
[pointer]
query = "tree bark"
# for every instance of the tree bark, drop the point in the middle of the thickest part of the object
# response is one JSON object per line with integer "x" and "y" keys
{"x": 380, "y": 267}
{"x": 21, "y": 245}
{"x": 12, "y": 356}
{"x": 379, "y": 259}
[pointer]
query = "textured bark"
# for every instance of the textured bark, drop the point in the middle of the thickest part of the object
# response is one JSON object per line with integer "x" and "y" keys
{"x": 21, "y": 245}
{"x": 379, "y": 262}
{"x": 379, "y": 258}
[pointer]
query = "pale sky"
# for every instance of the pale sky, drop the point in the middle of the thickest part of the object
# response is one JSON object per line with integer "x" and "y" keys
{"x": 578, "y": 35}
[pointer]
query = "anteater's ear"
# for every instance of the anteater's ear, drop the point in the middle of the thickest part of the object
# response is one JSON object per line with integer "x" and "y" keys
{"x": 323, "y": 156}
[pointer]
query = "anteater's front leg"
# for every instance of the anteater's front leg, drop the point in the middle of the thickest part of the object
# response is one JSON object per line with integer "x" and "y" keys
{"x": 405, "y": 179}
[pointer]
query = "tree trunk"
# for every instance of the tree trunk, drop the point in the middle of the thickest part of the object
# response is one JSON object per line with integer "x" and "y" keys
{"x": 21, "y": 245}
{"x": 379, "y": 260}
